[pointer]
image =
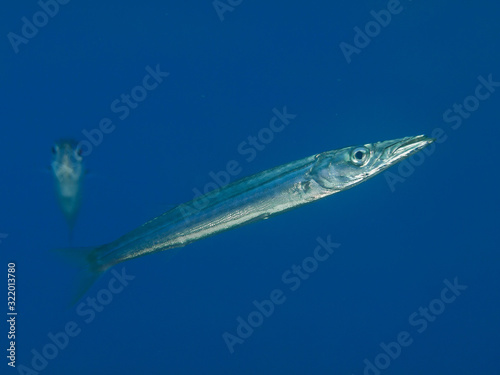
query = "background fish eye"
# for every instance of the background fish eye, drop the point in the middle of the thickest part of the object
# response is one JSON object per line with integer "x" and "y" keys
{"x": 78, "y": 152}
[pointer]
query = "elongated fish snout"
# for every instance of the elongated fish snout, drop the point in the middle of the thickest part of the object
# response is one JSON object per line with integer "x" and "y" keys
{"x": 402, "y": 148}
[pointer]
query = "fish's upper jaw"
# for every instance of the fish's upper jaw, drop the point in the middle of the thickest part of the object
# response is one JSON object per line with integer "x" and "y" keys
{"x": 410, "y": 145}
{"x": 399, "y": 149}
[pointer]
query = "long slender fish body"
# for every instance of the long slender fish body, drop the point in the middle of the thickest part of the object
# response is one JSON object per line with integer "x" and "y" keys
{"x": 68, "y": 170}
{"x": 252, "y": 199}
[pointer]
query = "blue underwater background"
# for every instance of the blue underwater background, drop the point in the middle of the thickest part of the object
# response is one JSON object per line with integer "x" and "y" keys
{"x": 413, "y": 287}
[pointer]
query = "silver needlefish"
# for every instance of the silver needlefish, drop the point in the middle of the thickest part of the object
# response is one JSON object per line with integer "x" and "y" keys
{"x": 248, "y": 200}
{"x": 68, "y": 171}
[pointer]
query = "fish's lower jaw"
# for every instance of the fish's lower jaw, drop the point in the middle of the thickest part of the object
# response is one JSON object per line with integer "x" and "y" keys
{"x": 410, "y": 146}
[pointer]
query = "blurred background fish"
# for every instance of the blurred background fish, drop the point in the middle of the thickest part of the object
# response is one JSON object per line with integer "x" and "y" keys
{"x": 68, "y": 170}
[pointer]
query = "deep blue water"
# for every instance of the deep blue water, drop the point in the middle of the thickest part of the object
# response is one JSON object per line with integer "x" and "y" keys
{"x": 402, "y": 242}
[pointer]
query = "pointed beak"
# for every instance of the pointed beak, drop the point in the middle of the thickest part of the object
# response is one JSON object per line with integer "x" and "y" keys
{"x": 404, "y": 147}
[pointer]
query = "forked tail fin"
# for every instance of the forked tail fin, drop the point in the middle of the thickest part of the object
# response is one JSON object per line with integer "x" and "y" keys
{"x": 88, "y": 270}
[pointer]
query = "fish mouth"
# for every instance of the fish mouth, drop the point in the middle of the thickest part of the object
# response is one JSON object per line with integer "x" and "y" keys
{"x": 404, "y": 147}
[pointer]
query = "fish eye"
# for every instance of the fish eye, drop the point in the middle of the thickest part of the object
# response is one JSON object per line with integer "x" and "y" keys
{"x": 54, "y": 149}
{"x": 359, "y": 156}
